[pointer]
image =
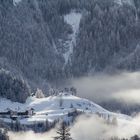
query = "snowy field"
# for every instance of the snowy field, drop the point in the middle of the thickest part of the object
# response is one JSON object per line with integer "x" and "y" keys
{"x": 57, "y": 107}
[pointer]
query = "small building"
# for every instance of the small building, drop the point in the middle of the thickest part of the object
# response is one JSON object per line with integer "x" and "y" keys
{"x": 31, "y": 112}
{"x": 17, "y": 114}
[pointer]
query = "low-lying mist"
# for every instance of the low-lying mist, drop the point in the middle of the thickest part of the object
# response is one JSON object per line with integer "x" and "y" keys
{"x": 88, "y": 128}
{"x": 104, "y": 87}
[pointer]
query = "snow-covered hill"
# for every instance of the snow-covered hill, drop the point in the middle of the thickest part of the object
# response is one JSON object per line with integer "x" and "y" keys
{"x": 57, "y": 107}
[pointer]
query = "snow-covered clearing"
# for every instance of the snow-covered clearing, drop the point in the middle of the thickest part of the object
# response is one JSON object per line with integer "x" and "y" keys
{"x": 49, "y": 108}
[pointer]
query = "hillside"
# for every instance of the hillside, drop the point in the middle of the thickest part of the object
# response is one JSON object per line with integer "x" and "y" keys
{"x": 58, "y": 107}
{"x": 92, "y": 36}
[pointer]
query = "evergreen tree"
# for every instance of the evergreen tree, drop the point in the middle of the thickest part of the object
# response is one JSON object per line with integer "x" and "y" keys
{"x": 39, "y": 93}
{"x": 135, "y": 137}
{"x": 15, "y": 89}
{"x": 3, "y": 135}
{"x": 63, "y": 133}
{"x": 60, "y": 100}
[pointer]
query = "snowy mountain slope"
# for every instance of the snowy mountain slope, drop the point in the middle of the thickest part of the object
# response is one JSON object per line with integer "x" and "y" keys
{"x": 33, "y": 30}
{"x": 57, "y": 107}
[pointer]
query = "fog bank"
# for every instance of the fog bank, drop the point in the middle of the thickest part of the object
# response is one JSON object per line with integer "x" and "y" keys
{"x": 103, "y": 87}
{"x": 89, "y": 128}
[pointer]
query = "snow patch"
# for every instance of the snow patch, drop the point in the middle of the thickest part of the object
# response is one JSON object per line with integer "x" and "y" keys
{"x": 72, "y": 19}
{"x": 15, "y": 2}
{"x": 121, "y": 2}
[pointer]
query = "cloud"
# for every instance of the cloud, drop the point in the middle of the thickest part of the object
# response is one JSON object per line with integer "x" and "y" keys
{"x": 32, "y": 136}
{"x": 130, "y": 96}
{"x": 95, "y": 128}
{"x": 88, "y": 128}
{"x": 103, "y": 87}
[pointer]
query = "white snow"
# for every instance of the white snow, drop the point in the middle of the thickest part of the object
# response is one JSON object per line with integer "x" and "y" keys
{"x": 121, "y": 2}
{"x": 15, "y": 2}
{"x": 73, "y": 19}
{"x": 49, "y": 108}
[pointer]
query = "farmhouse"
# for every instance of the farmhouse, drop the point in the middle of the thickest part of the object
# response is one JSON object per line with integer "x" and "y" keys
{"x": 17, "y": 114}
